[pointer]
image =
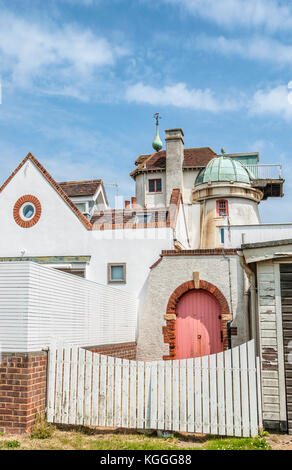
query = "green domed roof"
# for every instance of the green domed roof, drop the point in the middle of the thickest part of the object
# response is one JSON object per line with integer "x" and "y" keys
{"x": 223, "y": 169}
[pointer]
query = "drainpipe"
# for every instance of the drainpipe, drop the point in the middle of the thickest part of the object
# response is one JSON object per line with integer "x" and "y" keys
{"x": 253, "y": 299}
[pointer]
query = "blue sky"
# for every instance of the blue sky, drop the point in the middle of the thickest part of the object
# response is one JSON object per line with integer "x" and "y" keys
{"x": 81, "y": 80}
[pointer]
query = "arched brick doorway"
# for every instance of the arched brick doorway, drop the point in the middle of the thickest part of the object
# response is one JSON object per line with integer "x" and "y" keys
{"x": 169, "y": 331}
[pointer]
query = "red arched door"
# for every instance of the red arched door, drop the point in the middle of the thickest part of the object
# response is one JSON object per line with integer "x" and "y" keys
{"x": 198, "y": 325}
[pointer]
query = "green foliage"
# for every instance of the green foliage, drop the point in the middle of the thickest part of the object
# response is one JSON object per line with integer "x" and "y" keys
{"x": 41, "y": 429}
{"x": 12, "y": 444}
{"x": 249, "y": 443}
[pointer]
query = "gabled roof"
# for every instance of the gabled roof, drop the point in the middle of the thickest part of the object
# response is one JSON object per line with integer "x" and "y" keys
{"x": 80, "y": 188}
{"x": 53, "y": 183}
{"x": 194, "y": 157}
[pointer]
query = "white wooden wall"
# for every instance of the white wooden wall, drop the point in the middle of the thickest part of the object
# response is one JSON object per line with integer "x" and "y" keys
{"x": 39, "y": 305}
{"x": 216, "y": 394}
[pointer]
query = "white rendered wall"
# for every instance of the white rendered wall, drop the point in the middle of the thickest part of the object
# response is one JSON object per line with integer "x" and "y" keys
{"x": 40, "y": 305}
{"x": 238, "y": 234}
{"x": 144, "y": 197}
{"x": 60, "y": 233}
{"x": 189, "y": 178}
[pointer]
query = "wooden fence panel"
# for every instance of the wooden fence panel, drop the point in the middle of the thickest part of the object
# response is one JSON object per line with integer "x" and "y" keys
{"x": 218, "y": 394}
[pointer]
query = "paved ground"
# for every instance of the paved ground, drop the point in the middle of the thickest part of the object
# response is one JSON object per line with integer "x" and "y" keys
{"x": 280, "y": 441}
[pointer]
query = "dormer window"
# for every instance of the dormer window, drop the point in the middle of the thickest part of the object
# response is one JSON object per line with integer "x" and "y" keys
{"x": 155, "y": 186}
{"x": 222, "y": 208}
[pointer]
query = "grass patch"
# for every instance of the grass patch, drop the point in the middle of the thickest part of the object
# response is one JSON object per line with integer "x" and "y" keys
{"x": 96, "y": 439}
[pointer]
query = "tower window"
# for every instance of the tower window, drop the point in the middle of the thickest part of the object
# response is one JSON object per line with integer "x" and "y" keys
{"x": 222, "y": 208}
{"x": 155, "y": 186}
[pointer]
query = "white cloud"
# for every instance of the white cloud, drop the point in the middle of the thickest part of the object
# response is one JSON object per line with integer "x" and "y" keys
{"x": 180, "y": 96}
{"x": 255, "y": 48}
{"x": 273, "y": 102}
{"x": 68, "y": 56}
{"x": 270, "y": 14}
{"x": 270, "y": 102}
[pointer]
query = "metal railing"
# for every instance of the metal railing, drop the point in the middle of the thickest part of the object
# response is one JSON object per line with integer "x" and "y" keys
{"x": 265, "y": 171}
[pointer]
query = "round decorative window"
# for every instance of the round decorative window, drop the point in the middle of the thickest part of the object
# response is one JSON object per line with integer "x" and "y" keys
{"x": 27, "y": 211}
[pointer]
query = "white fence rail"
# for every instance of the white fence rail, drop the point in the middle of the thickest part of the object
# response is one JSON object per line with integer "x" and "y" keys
{"x": 265, "y": 171}
{"x": 218, "y": 394}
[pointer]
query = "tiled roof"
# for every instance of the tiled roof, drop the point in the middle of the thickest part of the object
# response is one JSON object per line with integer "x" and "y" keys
{"x": 80, "y": 188}
{"x": 134, "y": 218}
{"x": 53, "y": 183}
{"x": 195, "y": 157}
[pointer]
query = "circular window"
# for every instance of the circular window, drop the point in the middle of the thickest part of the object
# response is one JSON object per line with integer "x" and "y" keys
{"x": 27, "y": 211}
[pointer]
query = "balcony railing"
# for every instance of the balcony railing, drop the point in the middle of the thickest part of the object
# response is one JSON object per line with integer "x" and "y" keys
{"x": 263, "y": 172}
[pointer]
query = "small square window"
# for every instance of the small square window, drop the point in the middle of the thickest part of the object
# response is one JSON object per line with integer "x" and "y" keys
{"x": 155, "y": 186}
{"x": 117, "y": 272}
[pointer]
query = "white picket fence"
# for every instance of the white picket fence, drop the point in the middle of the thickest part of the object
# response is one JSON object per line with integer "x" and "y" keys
{"x": 217, "y": 394}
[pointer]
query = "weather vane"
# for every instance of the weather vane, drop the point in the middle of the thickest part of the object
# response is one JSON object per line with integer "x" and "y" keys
{"x": 157, "y": 143}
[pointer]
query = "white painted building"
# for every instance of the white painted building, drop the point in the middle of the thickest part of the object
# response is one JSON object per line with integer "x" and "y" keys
{"x": 174, "y": 247}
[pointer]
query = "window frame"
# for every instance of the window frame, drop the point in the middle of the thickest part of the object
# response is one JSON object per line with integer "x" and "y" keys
{"x": 155, "y": 185}
{"x": 109, "y": 273}
{"x": 226, "y": 209}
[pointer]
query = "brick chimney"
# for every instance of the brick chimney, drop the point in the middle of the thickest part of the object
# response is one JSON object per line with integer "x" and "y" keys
{"x": 174, "y": 161}
{"x": 134, "y": 202}
{"x": 127, "y": 204}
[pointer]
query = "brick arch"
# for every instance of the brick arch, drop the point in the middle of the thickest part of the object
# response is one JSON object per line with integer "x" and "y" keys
{"x": 169, "y": 331}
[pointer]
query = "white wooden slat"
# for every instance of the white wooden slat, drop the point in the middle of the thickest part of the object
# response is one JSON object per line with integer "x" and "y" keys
{"x": 147, "y": 395}
{"x": 191, "y": 396}
{"x": 229, "y": 393}
{"x": 259, "y": 393}
{"x": 161, "y": 401}
{"x": 95, "y": 389}
{"x": 118, "y": 393}
{"x": 236, "y": 392}
{"x": 73, "y": 386}
{"x": 66, "y": 385}
{"x": 102, "y": 390}
{"x": 213, "y": 394}
{"x": 140, "y": 395}
{"x": 221, "y": 394}
{"x": 168, "y": 395}
{"x": 253, "y": 412}
{"x": 51, "y": 385}
{"x": 80, "y": 387}
{"x": 125, "y": 391}
{"x": 244, "y": 391}
{"x": 183, "y": 395}
{"x": 153, "y": 393}
{"x": 110, "y": 391}
{"x": 175, "y": 388}
{"x": 59, "y": 380}
{"x": 198, "y": 395}
{"x": 87, "y": 388}
{"x": 133, "y": 395}
{"x": 206, "y": 395}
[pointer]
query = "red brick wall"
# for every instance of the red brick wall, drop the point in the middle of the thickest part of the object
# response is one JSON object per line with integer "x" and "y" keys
{"x": 123, "y": 351}
{"x": 22, "y": 390}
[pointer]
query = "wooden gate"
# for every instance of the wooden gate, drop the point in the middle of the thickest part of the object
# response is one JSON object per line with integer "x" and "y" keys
{"x": 217, "y": 394}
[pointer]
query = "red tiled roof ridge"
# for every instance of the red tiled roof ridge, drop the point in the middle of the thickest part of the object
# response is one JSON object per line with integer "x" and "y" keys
{"x": 53, "y": 183}
{"x": 80, "y": 181}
